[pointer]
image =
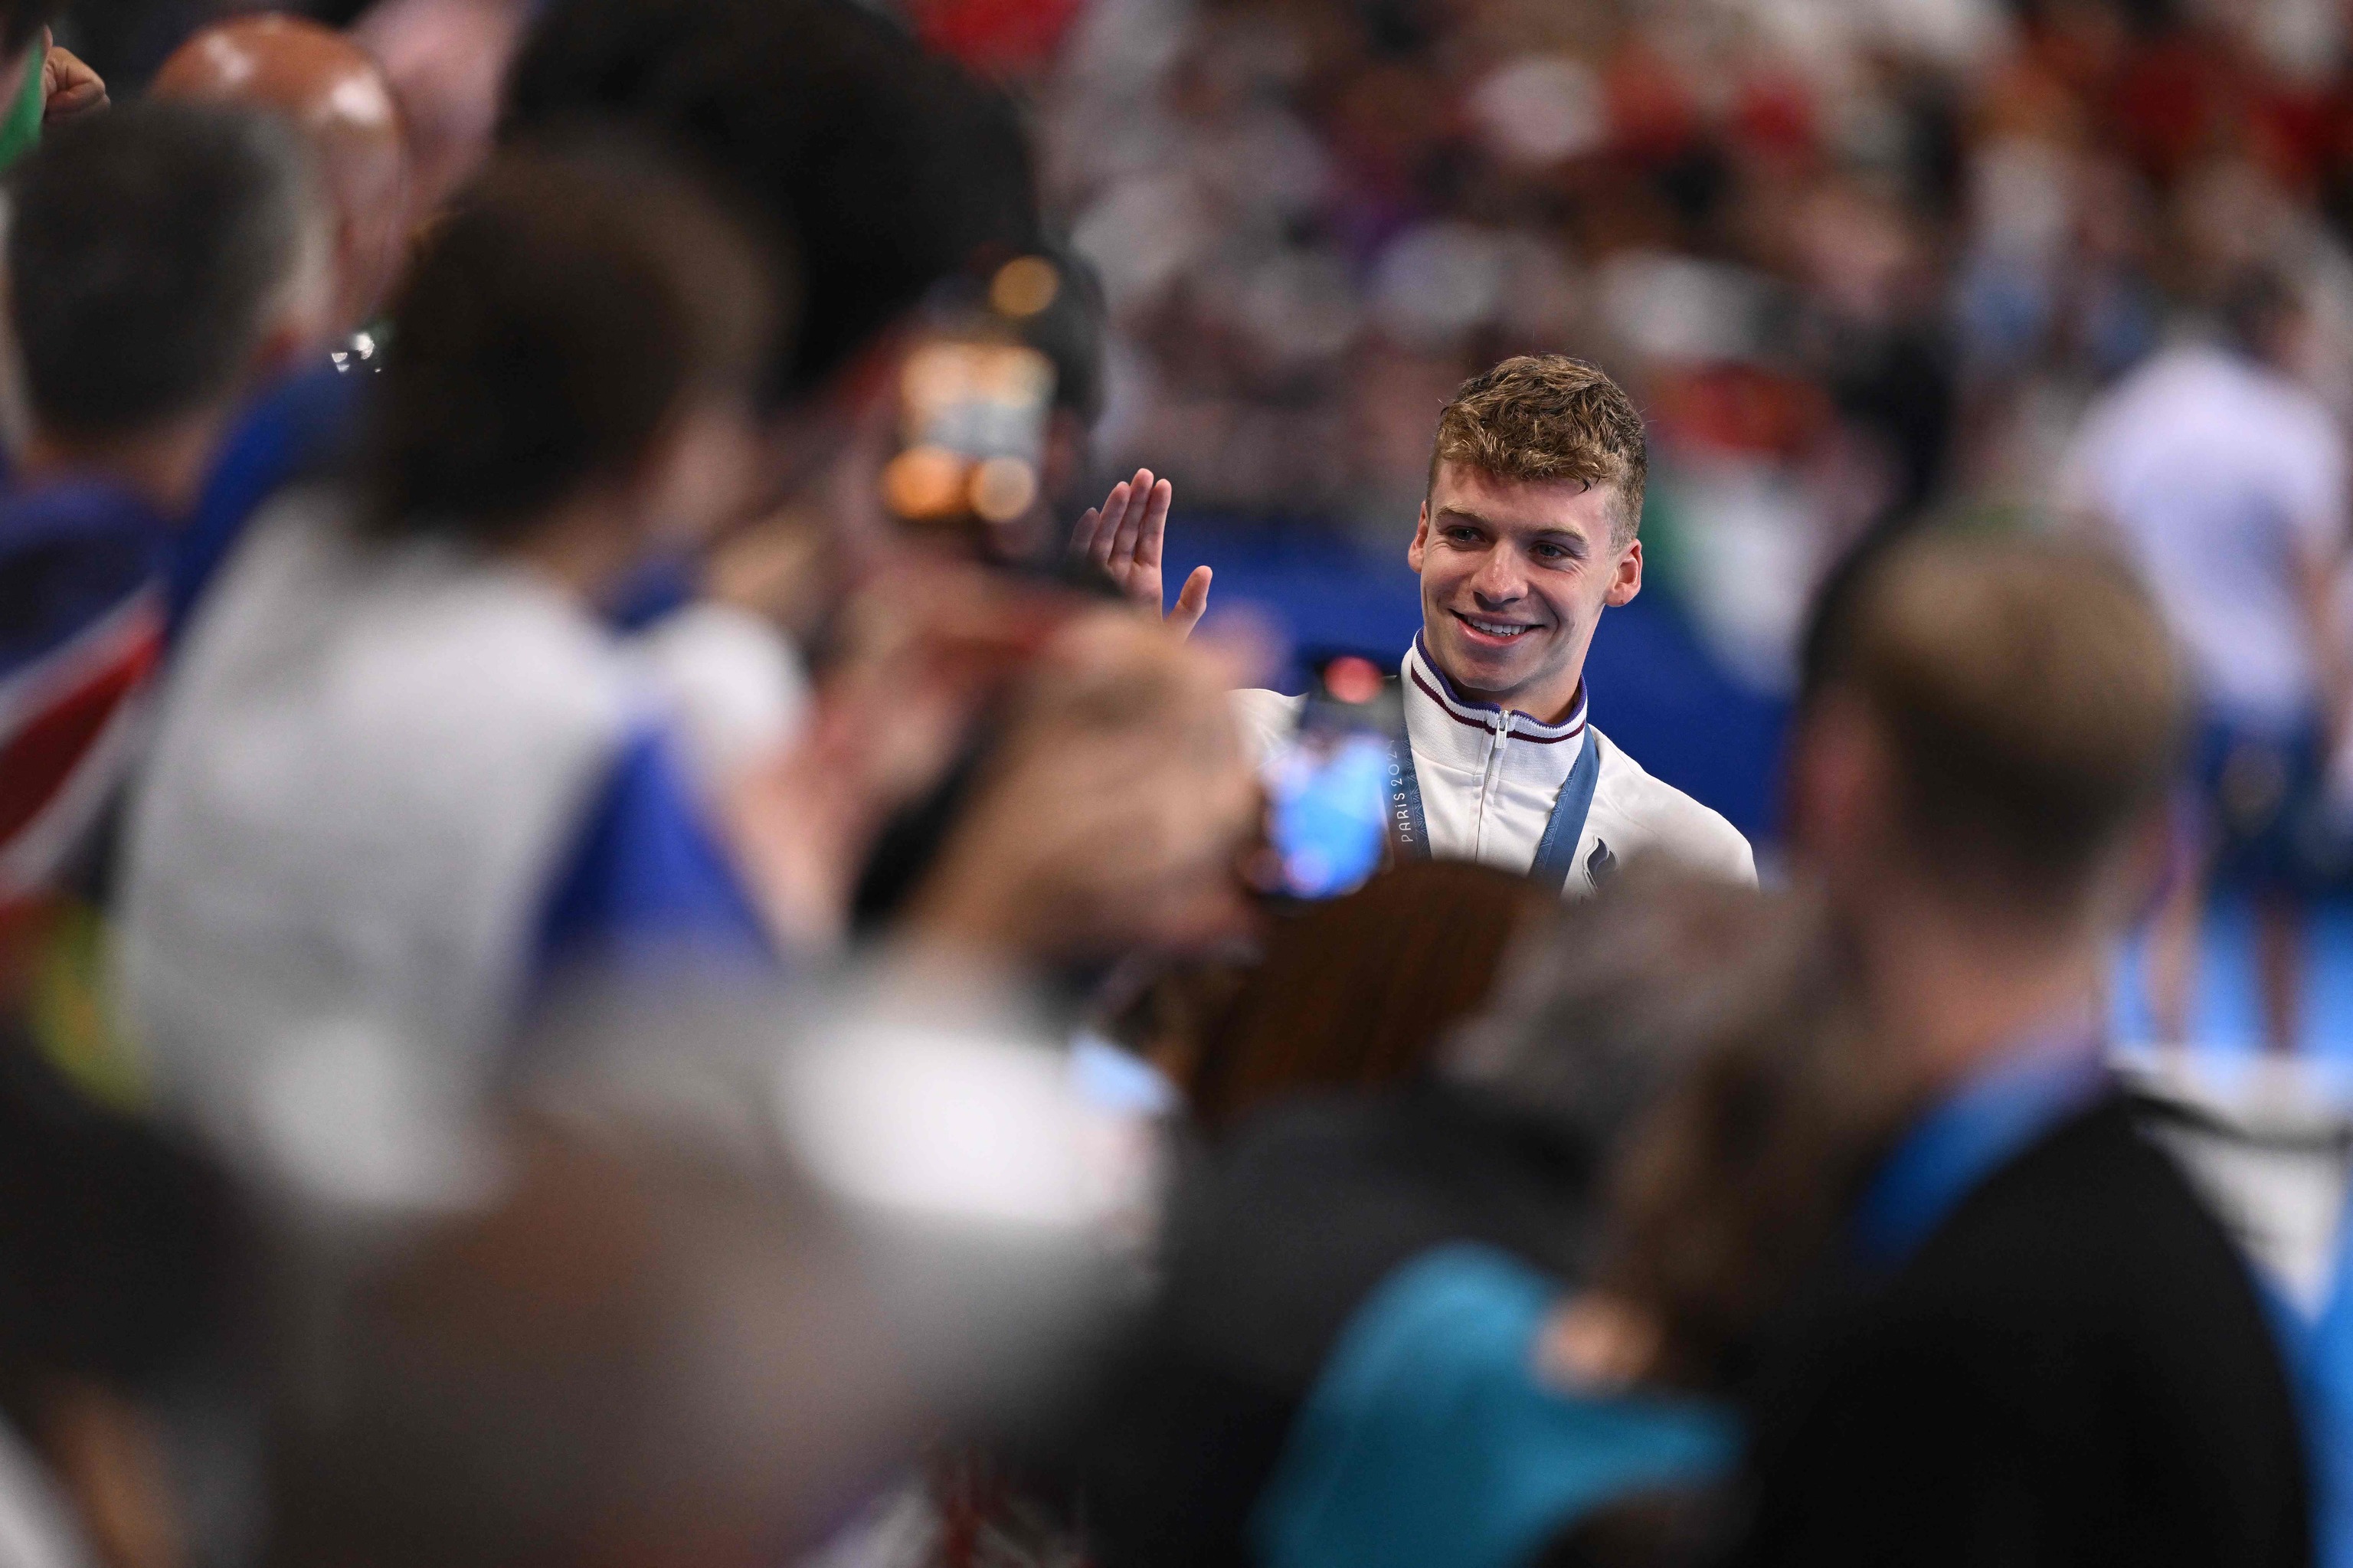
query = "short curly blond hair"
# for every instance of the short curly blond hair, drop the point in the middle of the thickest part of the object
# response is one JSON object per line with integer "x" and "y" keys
{"x": 1546, "y": 416}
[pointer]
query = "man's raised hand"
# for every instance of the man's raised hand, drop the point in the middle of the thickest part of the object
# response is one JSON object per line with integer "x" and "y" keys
{"x": 1125, "y": 536}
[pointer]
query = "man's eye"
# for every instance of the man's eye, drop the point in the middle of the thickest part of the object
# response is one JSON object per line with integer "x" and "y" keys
{"x": 1463, "y": 535}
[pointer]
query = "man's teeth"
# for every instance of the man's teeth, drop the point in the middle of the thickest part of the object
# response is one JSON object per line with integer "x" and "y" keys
{"x": 1495, "y": 628}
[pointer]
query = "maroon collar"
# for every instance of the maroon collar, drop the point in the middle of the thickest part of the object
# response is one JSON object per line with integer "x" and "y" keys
{"x": 1423, "y": 671}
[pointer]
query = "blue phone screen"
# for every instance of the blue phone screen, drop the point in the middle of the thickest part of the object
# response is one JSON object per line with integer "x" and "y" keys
{"x": 1328, "y": 800}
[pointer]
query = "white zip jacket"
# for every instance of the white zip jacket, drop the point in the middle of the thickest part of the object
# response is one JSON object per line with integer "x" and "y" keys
{"x": 1489, "y": 777}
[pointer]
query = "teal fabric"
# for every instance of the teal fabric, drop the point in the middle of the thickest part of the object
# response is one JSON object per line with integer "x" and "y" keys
{"x": 1427, "y": 1443}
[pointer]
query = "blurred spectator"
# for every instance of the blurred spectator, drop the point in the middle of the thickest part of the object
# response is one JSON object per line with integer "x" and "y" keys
{"x": 813, "y": 112}
{"x": 1358, "y": 991}
{"x": 2225, "y": 481}
{"x": 897, "y": 178}
{"x": 2039, "y": 1344}
{"x": 891, "y": 173}
{"x": 406, "y": 769}
{"x": 339, "y": 99}
{"x": 163, "y": 261}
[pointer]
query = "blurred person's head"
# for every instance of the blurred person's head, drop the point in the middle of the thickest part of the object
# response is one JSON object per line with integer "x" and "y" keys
{"x": 1699, "y": 1040}
{"x": 1988, "y": 729}
{"x": 162, "y": 260}
{"x": 626, "y": 1356}
{"x": 1527, "y": 532}
{"x": 1357, "y": 991}
{"x": 888, "y": 167}
{"x": 578, "y": 340}
{"x": 340, "y": 100}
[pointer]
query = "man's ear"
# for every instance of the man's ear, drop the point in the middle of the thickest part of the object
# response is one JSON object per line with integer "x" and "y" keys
{"x": 1628, "y": 582}
{"x": 1413, "y": 552}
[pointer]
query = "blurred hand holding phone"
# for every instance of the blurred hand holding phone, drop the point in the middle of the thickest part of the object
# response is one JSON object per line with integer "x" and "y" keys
{"x": 1327, "y": 789}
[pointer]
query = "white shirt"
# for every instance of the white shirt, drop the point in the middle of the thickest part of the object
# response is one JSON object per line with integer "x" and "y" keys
{"x": 369, "y": 763}
{"x": 2223, "y": 478}
{"x": 1489, "y": 777}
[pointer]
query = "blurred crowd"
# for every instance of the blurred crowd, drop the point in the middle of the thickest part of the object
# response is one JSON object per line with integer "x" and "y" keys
{"x": 627, "y": 941}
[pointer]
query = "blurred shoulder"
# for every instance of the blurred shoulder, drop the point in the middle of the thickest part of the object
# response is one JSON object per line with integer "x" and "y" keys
{"x": 1646, "y": 815}
{"x": 1266, "y": 719}
{"x": 396, "y": 645}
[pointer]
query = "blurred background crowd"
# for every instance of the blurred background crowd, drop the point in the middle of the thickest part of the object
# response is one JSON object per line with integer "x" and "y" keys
{"x": 613, "y": 956}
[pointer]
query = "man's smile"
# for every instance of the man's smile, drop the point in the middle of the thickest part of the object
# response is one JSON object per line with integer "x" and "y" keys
{"x": 1489, "y": 630}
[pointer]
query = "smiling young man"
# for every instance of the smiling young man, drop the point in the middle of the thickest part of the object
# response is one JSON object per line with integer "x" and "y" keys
{"x": 1528, "y": 533}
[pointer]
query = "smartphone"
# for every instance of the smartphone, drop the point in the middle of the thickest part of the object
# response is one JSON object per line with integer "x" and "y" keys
{"x": 973, "y": 415}
{"x": 1327, "y": 789}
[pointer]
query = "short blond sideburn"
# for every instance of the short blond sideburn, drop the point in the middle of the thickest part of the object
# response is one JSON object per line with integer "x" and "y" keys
{"x": 1545, "y": 416}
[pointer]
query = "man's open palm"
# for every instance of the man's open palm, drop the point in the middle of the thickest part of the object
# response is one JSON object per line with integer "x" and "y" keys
{"x": 1125, "y": 536}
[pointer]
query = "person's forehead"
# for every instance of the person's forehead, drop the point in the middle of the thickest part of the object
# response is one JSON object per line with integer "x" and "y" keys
{"x": 1530, "y": 506}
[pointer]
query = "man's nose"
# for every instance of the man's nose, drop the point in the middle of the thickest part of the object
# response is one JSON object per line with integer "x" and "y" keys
{"x": 1499, "y": 580}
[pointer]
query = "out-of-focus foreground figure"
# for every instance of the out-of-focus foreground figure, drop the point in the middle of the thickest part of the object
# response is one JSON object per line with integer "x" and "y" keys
{"x": 338, "y": 100}
{"x": 165, "y": 260}
{"x": 402, "y": 747}
{"x": 2045, "y": 1348}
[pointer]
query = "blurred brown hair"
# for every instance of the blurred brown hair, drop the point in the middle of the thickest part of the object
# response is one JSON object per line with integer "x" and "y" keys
{"x": 1357, "y": 991}
{"x": 630, "y": 1353}
{"x": 1545, "y": 416}
{"x": 574, "y": 300}
{"x": 2029, "y": 696}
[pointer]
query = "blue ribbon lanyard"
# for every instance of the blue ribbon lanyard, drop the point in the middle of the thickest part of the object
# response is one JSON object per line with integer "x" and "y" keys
{"x": 1555, "y": 852}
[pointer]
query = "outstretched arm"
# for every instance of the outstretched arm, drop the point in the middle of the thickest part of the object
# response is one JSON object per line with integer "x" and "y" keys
{"x": 1125, "y": 536}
